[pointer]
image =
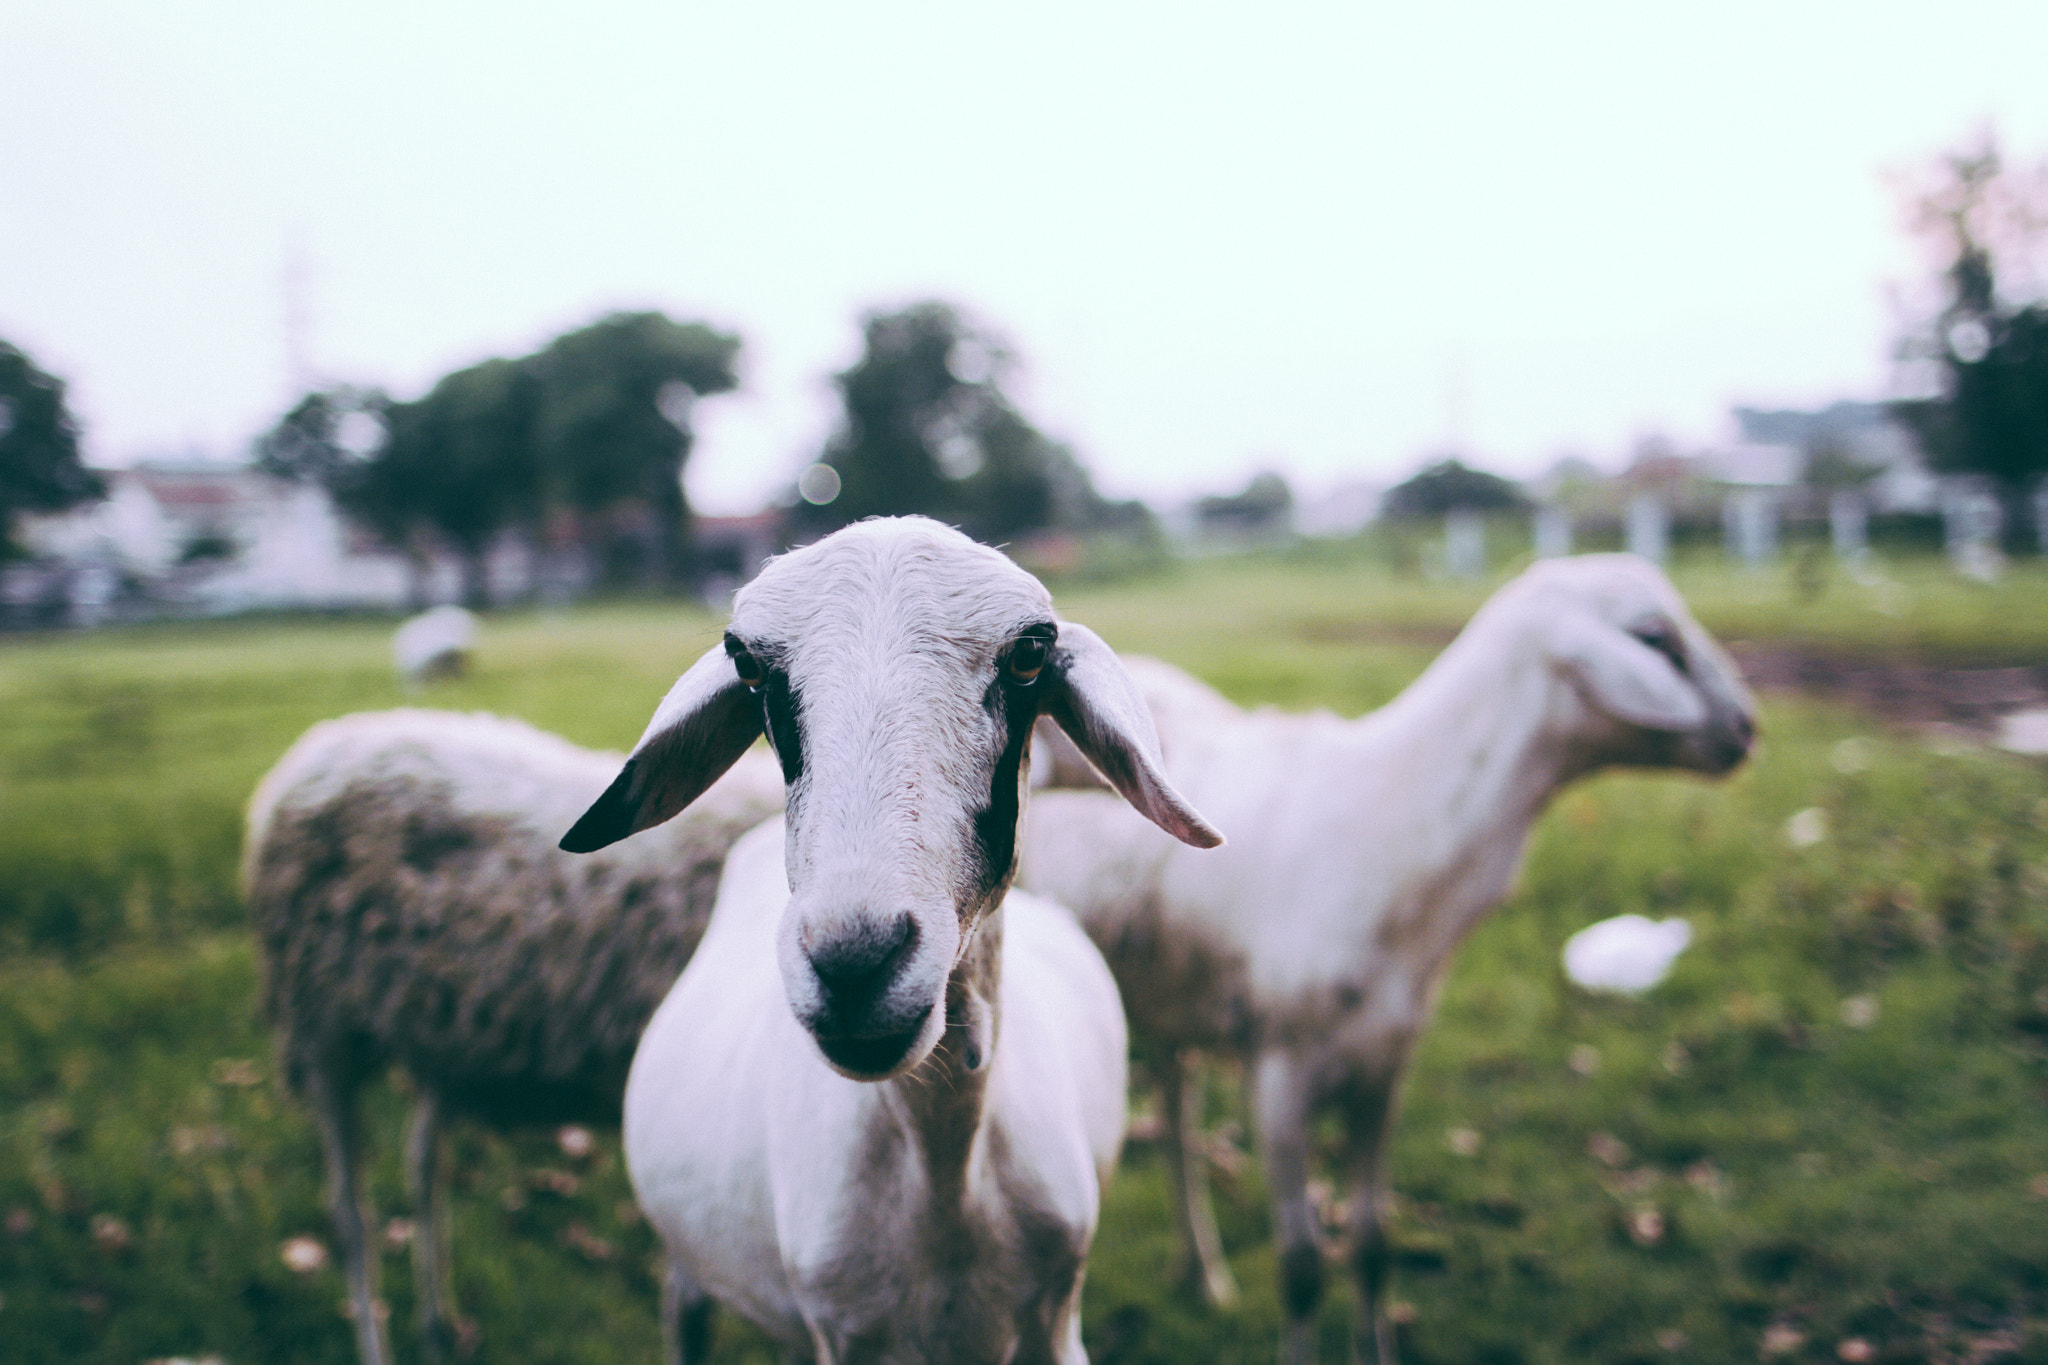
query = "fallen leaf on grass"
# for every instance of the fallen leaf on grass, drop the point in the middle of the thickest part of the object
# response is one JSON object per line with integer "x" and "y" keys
{"x": 1607, "y": 1149}
{"x": 302, "y": 1254}
{"x": 1646, "y": 1226}
{"x": 588, "y": 1244}
{"x": 111, "y": 1235}
{"x": 1781, "y": 1339}
{"x": 1807, "y": 828}
{"x": 239, "y": 1071}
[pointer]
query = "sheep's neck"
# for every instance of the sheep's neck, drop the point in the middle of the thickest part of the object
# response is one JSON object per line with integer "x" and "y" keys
{"x": 1474, "y": 751}
{"x": 945, "y": 1098}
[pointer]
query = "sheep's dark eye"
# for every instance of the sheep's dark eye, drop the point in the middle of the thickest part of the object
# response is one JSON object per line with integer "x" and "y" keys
{"x": 744, "y": 663}
{"x": 1662, "y": 637}
{"x": 1027, "y": 658}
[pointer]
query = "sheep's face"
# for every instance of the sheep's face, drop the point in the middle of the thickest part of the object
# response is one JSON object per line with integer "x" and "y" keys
{"x": 1653, "y": 687}
{"x": 897, "y": 668}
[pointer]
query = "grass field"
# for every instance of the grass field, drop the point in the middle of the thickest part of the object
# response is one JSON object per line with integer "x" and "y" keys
{"x": 1830, "y": 1126}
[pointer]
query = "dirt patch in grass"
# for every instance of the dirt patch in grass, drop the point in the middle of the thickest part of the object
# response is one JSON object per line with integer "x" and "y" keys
{"x": 1897, "y": 690}
{"x": 1901, "y": 690}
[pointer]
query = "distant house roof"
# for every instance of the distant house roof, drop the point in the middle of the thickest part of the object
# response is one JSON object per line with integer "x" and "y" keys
{"x": 1799, "y": 427}
{"x": 1754, "y": 465}
{"x": 199, "y": 491}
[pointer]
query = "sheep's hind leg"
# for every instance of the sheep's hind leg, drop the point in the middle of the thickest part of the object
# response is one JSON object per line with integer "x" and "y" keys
{"x": 333, "y": 1102}
{"x": 1281, "y": 1098}
{"x": 1204, "y": 1270}
{"x": 443, "y": 1333}
{"x": 1368, "y": 1117}
{"x": 688, "y": 1315}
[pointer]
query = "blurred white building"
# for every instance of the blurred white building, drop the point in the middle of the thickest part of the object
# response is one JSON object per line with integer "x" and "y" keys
{"x": 210, "y": 538}
{"x": 1866, "y": 434}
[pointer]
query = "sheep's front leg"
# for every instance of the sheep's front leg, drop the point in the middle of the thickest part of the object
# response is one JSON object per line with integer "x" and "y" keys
{"x": 1369, "y": 1103}
{"x": 1204, "y": 1269}
{"x": 1281, "y": 1097}
{"x": 442, "y": 1331}
{"x": 333, "y": 1102}
{"x": 688, "y": 1315}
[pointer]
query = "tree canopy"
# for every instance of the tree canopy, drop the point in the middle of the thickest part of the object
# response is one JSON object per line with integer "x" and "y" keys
{"x": 594, "y": 427}
{"x": 1264, "y": 506}
{"x": 928, "y": 428}
{"x": 40, "y": 469}
{"x": 1452, "y": 486}
{"x": 1989, "y": 343}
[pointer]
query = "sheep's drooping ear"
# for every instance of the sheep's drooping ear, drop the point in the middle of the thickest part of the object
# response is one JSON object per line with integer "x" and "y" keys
{"x": 701, "y": 728}
{"x": 1628, "y": 679}
{"x": 1089, "y": 696}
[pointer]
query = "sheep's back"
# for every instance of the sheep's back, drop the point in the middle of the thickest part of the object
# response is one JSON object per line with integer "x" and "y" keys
{"x": 411, "y": 906}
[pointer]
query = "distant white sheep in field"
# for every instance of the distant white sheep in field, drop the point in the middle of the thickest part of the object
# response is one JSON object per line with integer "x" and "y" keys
{"x": 874, "y": 1114}
{"x": 434, "y": 644}
{"x": 1363, "y": 851}
{"x": 411, "y": 908}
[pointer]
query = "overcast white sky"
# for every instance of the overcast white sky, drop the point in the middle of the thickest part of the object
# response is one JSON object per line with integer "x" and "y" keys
{"x": 1328, "y": 238}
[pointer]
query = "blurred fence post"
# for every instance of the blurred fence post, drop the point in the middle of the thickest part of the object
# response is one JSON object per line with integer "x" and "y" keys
{"x": 1464, "y": 544}
{"x": 1553, "y": 533}
{"x": 1969, "y": 526}
{"x": 1649, "y": 528}
{"x": 1849, "y": 525}
{"x": 1749, "y": 521}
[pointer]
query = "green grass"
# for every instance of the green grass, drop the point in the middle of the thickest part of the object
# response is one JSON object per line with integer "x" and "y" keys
{"x": 1809, "y": 1175}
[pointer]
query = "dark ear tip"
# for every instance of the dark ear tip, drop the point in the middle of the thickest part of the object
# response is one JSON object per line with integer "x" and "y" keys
{"x": 581, "y": 838}
{"x": 597, "y": 829}
{"x": 609, "y": 819}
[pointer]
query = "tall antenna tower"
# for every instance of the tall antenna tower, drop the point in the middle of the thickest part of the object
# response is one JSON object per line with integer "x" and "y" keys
{"x": 1458, "y": 402}
{"x": 296, "y": 283}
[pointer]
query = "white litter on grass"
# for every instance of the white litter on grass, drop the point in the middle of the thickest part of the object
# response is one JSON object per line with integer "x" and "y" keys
{"x": 1627, "y": 954}
{"x": 434, "y": 644}
{"x": 1807, "y": 828}
{"x": 2024, "y": 732}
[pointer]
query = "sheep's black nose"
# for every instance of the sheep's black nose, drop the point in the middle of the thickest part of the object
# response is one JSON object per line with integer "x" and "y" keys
{"x": 856, "y": 966}
{"x": 1730, "y": 742}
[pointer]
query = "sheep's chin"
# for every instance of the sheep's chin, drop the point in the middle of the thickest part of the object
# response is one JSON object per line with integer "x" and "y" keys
{"x": 880, "y": 1058}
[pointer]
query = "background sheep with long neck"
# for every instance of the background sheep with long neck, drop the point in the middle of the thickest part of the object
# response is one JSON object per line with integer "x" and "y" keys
{"x": 1363, "y": 852}
{"x": 411, "y": 908}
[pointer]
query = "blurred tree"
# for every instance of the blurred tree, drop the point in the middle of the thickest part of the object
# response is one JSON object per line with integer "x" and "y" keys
{"x": 40, "y": 470}
{"x": 463, "y": 463}
{"x": 335, "y": 437}
{"x": 595, "y": 425}
{"x": 1449, "y": 486}
{"x": 1990, "y": 340}
{"x": 928, "y": 429}
{"x": 613, "y": 427}
{"x": 1264, "y": 506}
